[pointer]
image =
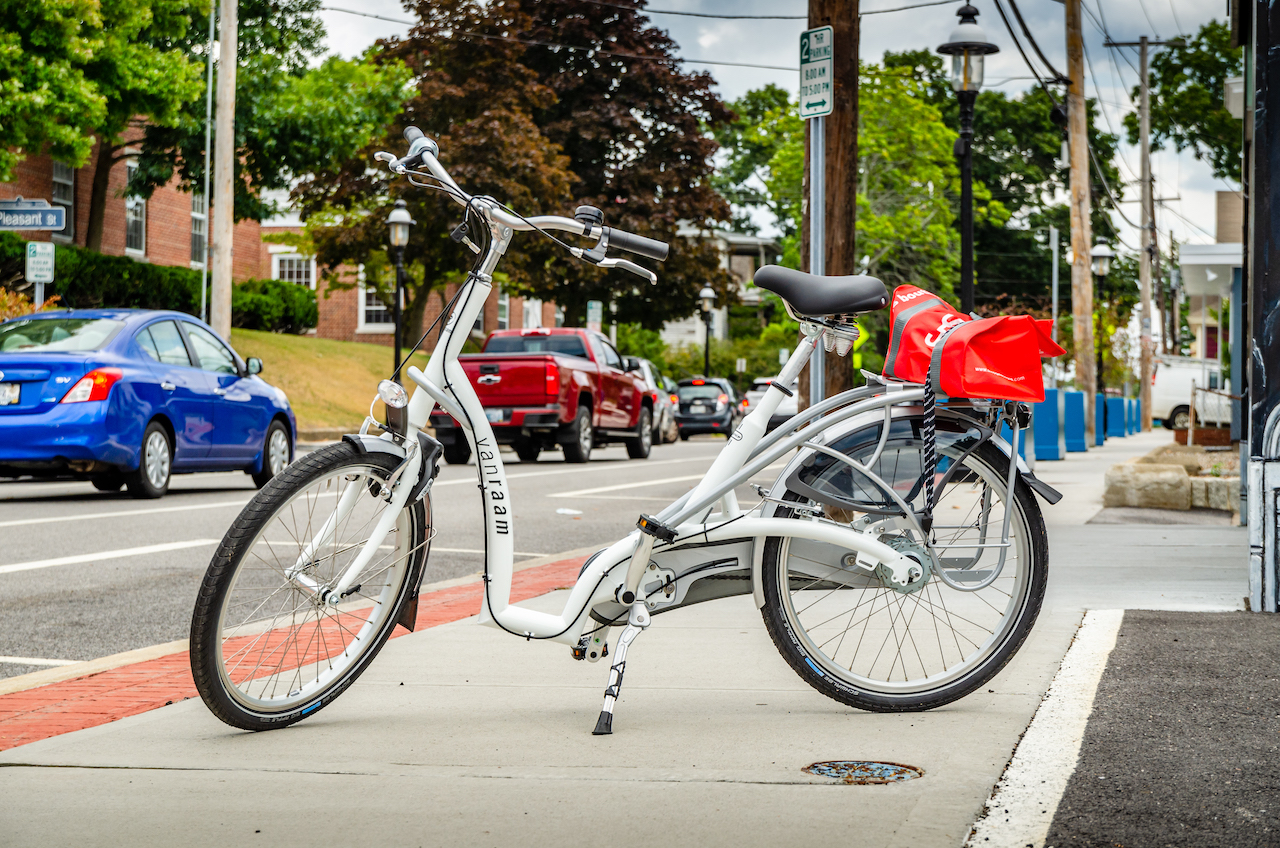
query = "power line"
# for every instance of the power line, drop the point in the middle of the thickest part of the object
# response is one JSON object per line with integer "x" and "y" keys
{"x": 1174, "y": 12}
{"x": 1013, "y": 4}
{"x": 1022, "y": 53}
{"x": 1145, "y": 14}
{"x": 701, "y": 14}
{"x": 555, "y": 46}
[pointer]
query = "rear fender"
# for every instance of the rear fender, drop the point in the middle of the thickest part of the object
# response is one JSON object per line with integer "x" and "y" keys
{"x": 870, "y": 421}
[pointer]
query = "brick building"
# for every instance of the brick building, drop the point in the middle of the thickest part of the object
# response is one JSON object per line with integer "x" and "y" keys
{"x": 171, "y": 227}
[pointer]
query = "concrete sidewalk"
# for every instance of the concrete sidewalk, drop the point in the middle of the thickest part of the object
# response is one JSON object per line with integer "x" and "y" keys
{"x": 462, "y": 734}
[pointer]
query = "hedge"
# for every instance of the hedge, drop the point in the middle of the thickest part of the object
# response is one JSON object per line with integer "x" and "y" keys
{"x": 273, "y": 305}
{"x": 87, "y": 280}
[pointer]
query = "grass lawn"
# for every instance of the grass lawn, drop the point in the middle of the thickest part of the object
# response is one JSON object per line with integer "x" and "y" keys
{"x": 329, "y": 383}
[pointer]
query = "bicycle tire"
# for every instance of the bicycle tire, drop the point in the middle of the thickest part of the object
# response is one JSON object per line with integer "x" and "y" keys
{"x": 801, "y": 649}
{"x": 216, "y": 639}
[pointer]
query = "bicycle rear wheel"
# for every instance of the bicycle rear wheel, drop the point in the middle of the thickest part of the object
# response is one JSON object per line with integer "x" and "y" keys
{"x": 266, "y": 651}
{"x": 858, "y": 638}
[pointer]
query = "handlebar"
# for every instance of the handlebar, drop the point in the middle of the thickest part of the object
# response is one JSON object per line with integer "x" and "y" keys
{"x": 639, "y": 245}
{"x": 422, "y": 152}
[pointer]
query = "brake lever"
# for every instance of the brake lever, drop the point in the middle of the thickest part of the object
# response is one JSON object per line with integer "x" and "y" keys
{"x": 628, "y": 265}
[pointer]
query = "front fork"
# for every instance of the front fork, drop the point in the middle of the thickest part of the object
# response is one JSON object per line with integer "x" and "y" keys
{"x": 401, "y": 485}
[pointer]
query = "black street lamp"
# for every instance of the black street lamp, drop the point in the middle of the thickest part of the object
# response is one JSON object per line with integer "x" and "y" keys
{"x": 1101, "y": 257}
{"x": 398, "y": 222}
{"x": 708, "y": 298}
{"x": 967, "y": 47}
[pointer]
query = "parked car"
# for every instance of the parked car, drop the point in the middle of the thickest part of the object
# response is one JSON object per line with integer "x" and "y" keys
{"x": 664, "y": 407}
{"x": 1171, "y": 391}
{"x": 545, "y": 387}
{"x": 785, "y": 410}
{"x": 128, "y": 397}
{"x": 707, "y": 405}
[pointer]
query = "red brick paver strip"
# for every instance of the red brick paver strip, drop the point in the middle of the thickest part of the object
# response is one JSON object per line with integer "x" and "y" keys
{"x": 108, "y": 696}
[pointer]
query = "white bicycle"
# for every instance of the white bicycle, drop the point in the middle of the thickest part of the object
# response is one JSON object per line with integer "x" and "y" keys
{"x": 899, "y": 560}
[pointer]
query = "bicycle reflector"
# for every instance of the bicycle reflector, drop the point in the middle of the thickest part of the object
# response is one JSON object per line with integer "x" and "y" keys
{"x": 95, "y": 385}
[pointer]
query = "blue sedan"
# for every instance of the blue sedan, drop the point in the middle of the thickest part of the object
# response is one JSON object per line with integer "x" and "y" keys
{"x": 128, "y": 397}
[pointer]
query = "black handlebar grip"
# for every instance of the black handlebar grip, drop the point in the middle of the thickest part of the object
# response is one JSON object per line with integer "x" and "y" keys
{"x": 412, "y": 134}
{"x": 640, "y": 245}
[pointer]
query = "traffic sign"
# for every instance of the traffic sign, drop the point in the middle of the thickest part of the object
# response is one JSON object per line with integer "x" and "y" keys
{"x": 816, "y": 53}
{"x": 595, "y": 315}
{"x": 39, "y": 262}
{"x": 19, "y": 214}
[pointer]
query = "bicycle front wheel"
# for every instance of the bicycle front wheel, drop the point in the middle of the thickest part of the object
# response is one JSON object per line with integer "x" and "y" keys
{"x": 266, "y": 648}
{"x": 857, "y": 637}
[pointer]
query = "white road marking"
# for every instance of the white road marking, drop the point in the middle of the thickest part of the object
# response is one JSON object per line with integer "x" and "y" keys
{"x": 52, "y": 519}
{"x": 642, "y": 483}
{"x": 478, "y": 551}
{"x": 579, "y": 469}
{"x": 101, "y": 555}
{"x": 1024, "y": 802}
{"x": 37, "y": 661}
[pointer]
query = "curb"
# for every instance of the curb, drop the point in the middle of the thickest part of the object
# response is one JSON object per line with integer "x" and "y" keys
{"x": 51, "y": 703}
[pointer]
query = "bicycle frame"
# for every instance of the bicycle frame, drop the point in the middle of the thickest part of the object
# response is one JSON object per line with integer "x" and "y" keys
{"x": 613, "y": 575}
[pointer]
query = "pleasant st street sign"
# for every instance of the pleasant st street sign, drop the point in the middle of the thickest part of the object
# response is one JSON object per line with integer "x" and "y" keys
{"x": 19, "y": 214}
{"x": 815, "y": 72}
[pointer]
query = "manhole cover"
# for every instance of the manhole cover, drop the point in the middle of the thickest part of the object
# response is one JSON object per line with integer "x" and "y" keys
{"x": 863, "y": 772}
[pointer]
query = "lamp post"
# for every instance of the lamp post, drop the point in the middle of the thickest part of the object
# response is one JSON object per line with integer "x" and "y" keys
{"x": 398, "y": 222}
{"x": 708, "y": 298}
{"x": 1101, "y": 257}
{"x": 967, "y": 47}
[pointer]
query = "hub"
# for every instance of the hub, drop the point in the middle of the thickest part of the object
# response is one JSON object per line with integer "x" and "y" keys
{"x": 919, "y": 573}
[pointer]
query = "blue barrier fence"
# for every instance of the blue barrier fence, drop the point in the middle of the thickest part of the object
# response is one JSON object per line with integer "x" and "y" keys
{"x": 1073, "y": 428}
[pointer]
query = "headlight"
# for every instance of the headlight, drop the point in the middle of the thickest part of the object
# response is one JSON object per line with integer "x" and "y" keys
{"x": 393, "y": 394}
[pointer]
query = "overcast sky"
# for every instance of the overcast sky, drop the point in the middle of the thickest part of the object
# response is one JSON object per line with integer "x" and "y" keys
{"x": 1110, "y": 76}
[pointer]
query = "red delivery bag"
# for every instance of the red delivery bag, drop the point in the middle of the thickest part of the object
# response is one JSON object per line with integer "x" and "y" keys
{"x": 983, "y": 357}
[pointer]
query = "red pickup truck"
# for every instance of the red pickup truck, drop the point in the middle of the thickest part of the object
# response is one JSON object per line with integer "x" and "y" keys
{"x": 545, "y": 387}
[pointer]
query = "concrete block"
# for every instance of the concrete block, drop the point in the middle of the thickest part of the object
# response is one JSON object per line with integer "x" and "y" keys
{"x": 1099, "y": 420}
{"x": 1148, "y": 485}
{"x": 1116, "y": 418}
{"x": 1221, "y": 493}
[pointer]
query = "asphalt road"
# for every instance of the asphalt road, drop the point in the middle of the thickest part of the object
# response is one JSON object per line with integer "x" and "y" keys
{"x": 132, "y": 567}
{"x": 1181, "y": 748}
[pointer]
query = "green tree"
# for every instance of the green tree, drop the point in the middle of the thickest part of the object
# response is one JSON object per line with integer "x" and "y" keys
{"x": 749, "y": 144}
{"x": 46, "y": 101}
{"x": 1187, "y": 108}
{"x": 294, "y": 113}
{"x": 541, "y": 130}
{"x": 1016, "y": 152}
{"x": 144, "y": 78}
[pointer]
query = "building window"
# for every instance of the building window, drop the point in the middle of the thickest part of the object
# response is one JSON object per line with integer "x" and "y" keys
{"x": 135, "y": 217}
{"x": 199, "y": 228}
{"x": 559, "y": 316}
{"x": 532, "y": 317}
{"x": 64, "y": 195}
{"x": 504, "y": 311}
{"x": 294, "y": 268}
{"x": 375, "y": 311}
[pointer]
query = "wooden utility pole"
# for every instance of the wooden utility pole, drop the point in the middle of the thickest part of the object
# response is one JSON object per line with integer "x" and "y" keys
{"x": 224, "y": 173}
{"x": 841, "y": 151}
{"x": 1081, "y": 203}
{"x": 1147, "y": 244}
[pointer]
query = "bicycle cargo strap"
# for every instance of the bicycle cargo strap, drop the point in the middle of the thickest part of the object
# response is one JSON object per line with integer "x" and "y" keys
{"x": 932, "y": 384}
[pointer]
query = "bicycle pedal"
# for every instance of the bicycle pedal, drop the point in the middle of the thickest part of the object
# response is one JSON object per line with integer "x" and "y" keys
{"x": 579, "y": 651}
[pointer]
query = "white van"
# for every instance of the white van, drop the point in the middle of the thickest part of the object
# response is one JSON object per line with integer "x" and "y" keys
{"x": 1171, "y": 391}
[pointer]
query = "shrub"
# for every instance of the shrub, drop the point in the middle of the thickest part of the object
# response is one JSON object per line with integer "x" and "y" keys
{"x": 273, "y": 305}
{"x": 86, "y": 280}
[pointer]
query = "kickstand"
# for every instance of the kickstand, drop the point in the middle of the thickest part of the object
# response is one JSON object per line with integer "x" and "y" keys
{"x": 637, "y": 621}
